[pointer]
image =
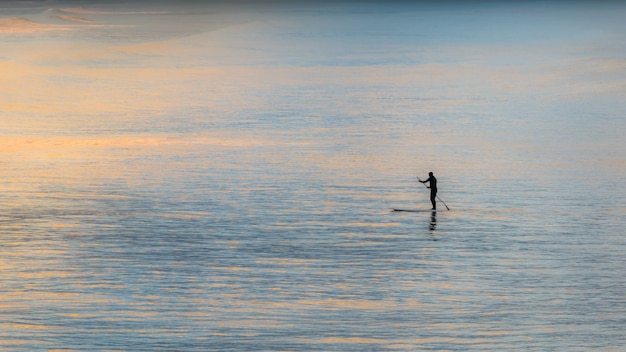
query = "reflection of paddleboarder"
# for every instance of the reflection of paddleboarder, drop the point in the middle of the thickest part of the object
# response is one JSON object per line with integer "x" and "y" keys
{"x": 433, "y": 222}
{"x": 433, "y": 188}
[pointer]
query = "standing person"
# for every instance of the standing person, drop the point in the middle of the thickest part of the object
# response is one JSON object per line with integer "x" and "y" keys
{"x": 433, "y": 188}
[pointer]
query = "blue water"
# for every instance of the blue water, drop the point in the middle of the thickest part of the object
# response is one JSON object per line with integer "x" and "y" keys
{"x": 226, "y": 184}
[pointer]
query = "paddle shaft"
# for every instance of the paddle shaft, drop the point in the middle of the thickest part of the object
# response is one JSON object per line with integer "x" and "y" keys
{"x": 444, "y": 203}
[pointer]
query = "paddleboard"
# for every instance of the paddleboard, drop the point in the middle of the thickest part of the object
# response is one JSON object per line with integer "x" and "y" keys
{"x": 416, "y": 210}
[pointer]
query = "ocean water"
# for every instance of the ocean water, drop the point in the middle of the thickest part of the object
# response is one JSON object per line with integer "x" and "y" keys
{"x": 214, "y": 177}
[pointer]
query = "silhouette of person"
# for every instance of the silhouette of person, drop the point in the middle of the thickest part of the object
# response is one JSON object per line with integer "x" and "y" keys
{"x": 433, "y": 188}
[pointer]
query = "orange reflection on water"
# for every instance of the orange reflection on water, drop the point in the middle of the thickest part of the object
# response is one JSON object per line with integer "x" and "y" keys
{"x": 20, "y": 25}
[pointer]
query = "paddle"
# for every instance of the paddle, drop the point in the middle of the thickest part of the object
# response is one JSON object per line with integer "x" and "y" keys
{"x": 444, "y": 203}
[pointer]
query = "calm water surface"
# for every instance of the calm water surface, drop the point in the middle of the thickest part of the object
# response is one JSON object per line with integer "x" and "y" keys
{"x": 220, "y": 178}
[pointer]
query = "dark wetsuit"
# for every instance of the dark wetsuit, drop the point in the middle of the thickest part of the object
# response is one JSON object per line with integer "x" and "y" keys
{"x": 433, "y": 190}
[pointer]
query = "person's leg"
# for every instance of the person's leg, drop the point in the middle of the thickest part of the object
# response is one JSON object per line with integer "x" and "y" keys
{"x": 433, "y": 196}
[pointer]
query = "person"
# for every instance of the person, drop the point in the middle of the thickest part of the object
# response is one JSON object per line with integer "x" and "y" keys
{"x": 433, "y": 188}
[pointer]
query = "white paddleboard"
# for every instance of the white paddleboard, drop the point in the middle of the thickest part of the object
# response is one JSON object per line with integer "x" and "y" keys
{"x": 416, "y": 210}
